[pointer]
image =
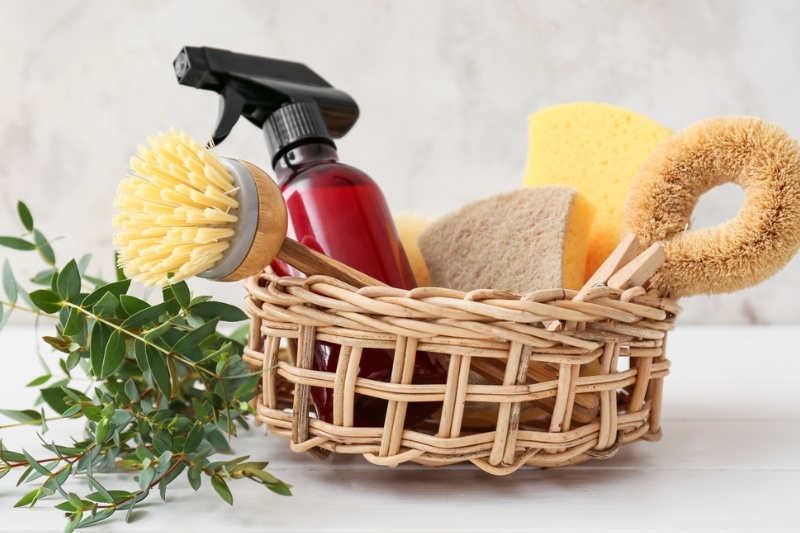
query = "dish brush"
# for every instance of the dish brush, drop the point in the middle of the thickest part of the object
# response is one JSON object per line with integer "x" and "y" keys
{"x": 185, "y": 211}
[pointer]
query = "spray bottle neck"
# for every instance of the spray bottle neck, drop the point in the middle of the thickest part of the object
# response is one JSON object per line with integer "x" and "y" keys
{"x": 292, "y": 126}
{"x": 302, "y": 157}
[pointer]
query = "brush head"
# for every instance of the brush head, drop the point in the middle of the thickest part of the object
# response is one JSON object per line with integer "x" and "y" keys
{"x": 184, "y": 211}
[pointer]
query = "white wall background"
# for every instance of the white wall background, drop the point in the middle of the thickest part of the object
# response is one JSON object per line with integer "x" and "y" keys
{"x": 444, "y": 89}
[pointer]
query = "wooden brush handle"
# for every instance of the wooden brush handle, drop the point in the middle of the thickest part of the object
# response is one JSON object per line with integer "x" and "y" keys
{"x": 311, "y": 262}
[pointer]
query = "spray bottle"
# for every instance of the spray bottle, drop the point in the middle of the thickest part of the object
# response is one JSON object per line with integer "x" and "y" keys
{"x": 333, "y": 208}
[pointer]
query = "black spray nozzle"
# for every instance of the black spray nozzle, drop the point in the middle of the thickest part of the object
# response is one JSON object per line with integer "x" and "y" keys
{"x": 256, "y": 87}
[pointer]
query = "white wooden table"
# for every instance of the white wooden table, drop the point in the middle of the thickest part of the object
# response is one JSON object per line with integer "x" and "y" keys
{"x": 728, "y": 462}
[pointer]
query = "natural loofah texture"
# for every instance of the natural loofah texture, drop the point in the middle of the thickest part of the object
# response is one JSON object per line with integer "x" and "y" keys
{"x": 409, "y": 227}
{"x": 765, "y": 234}
{"x": 596, "y": 148}
{"x": 520, "y": 241}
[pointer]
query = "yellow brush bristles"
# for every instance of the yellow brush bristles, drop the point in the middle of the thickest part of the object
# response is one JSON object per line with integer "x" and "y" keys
{"x": 176, "y": 212}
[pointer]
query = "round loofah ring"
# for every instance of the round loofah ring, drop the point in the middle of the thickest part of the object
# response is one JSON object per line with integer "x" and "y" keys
{"x": 765, "y": 234}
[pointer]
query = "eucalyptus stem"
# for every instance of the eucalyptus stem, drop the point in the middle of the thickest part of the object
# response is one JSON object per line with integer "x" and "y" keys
{"x": 15, "y": 307}
{"x": 32, "y": 422}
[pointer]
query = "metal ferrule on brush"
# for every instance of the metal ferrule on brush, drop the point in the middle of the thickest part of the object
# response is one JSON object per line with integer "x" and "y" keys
{"x": 246, "y": 222}
{"x": 261, "y": 223}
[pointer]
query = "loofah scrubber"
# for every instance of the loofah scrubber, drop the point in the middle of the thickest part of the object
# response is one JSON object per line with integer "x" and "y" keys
{"x": 765, "y": 234}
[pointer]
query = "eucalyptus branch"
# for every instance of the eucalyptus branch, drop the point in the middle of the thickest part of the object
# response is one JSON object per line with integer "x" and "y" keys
{"x": 165, "y": 387}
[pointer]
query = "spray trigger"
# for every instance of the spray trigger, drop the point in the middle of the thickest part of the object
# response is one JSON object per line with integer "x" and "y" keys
{"x": 231, "y": 106}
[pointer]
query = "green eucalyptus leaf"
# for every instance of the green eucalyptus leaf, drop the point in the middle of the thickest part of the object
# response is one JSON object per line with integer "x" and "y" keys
{"x": 55, "y": 482}
{"x": 16, "y": 243}
{"x": 131, "y": 391}
{"x": 116, "y": 289}
{"x": 6, "y": 455}
{"x": 73, "y": 359}
{"x": 215, "y": 437}
{"x": 107, "y": 306}
{"x": 75, "y": 500}
{"x": 35, "y": 464}
{"x": 93, "y": 412}
{"x": 66, "y": 506}
{"x": 45, "y": 250}
{"x": 26, "y": 416}
{"x": 101, "y": 432}
{"x": 146, "y": 477}
{"x": 102, "y": 495}
{"x": 44, "y": 277}
{"x": 157, "y": 331}
{"x": 200, "y": 409}
{"x": 9, "y": 283}
{"x": 73, "y": 520}
{"x": 75, "y": 396}
{"x": 146, "y": 316}
{"x": 280, "y": 488}
{"x": 29, "y": 499}
{"x": 108, "y": 496}
{"x": 56, "y": 398}
{"x": 83, "y": 263}
{"x": 157, "y": 362}
{"x": 182, "y": 293}
{"x": 74, "y": 325}
{"x": 101, "y": 333}
{"x": 194, "y": 438}
{"x": 222, "y": 488}
{"x": 114, "y": 354}
{"x": 47, "y": 301}
{"x": 193, "y": 475}
{"x": 68, "y": 282}
{"x": 225, "y": 312}
{"x": 121, "y": 417}
{"x": 132, "y": 304}
{"x": 108, "y": 409}
{"x": 72, "y": 411}
{"x": 195, "y": 337}
{"x": 25, "y": 215}
{"x": 140, "y": 353}
{"x": 41, "y": 380}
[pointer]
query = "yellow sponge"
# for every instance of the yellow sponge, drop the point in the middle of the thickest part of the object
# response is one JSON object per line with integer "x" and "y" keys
{"x": 596, "y": 148}
{"x": 409, "y": 226}
{"x": 519, "y": 241}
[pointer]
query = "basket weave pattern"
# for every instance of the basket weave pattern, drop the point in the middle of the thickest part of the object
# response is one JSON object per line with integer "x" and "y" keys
{"x": 540, "y": 379}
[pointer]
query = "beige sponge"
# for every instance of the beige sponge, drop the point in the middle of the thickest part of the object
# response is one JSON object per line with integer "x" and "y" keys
{"x": 409, "y": 226}
{"x": 519, "y": 241}
{"x": 596, "y": 148}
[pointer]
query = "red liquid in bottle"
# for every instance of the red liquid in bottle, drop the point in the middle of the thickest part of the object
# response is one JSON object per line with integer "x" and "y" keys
{"x": 339, "y": 211}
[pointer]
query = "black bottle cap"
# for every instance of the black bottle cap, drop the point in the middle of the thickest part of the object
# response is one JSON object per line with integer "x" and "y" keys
{"x": 292, "y": 125}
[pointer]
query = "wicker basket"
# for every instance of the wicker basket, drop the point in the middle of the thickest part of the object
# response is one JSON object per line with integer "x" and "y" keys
{"x": 562, "y": 376}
